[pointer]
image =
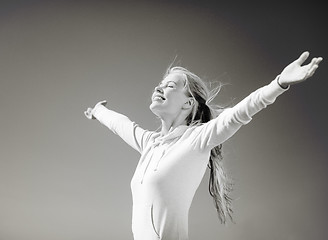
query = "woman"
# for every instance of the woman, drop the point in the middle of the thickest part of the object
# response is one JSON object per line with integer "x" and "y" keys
{"x": 174, "y": 160}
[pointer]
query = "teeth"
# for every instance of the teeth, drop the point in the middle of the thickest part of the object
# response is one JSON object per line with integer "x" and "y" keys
{"x": 158, "y": 98}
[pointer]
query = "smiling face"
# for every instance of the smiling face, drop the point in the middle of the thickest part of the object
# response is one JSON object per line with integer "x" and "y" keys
{"x": 170, "y": 98}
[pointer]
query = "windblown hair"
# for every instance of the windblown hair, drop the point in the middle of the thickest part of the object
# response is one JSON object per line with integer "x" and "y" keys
{"x": 220, "y": 185}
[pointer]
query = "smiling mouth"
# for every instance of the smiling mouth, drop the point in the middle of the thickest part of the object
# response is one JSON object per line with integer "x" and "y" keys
{"x": 157, "y": 97}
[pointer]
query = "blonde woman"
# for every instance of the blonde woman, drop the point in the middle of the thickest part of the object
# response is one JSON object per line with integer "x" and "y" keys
{"x": 174, "y": 160}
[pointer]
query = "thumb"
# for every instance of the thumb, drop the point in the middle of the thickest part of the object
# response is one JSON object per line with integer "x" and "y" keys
{"x": 302, "y": 58}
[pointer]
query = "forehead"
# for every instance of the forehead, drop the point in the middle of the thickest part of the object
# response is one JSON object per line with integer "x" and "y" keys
{"x": 174, "y": 77}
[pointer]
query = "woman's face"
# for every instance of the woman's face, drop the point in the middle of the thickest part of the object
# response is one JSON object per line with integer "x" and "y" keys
{"x": 169, "y": 97}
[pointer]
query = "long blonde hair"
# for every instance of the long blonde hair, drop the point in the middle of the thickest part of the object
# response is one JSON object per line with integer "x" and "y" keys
{"x": 220, "y": 185}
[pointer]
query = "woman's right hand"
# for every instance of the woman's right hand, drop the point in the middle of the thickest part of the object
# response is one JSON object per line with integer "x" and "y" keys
{"x": 90, "y": 111}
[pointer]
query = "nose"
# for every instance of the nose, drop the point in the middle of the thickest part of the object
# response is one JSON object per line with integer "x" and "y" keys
{"x": 159, "y": 89}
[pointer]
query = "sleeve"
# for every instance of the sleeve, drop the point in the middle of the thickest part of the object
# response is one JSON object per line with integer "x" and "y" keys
{"x": 218, "y": 130}
{"x": 122, "y": 126}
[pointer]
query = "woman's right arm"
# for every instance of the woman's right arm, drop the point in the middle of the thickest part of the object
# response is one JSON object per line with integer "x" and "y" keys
{"x": 119, "y": 124}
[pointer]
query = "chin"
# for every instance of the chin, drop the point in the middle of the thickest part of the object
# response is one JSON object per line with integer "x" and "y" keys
{"x": 155, "y": 110}
{"x": 152, "y": 108}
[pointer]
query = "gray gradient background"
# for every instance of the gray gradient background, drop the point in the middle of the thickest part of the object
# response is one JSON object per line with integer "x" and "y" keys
{"x": 63, "y": 177}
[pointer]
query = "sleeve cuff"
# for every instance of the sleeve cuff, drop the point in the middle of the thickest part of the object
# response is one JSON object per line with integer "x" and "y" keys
{"x": 277, "y": 80}
{"x": 276, "y": 87}
{"x": 99, "y": 110}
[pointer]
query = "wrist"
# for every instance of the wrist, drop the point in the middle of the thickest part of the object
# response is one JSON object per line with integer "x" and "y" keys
{"x": 282, "y": 85}
{"x": 100, "y": 105}
{"x": 97, "y": 110}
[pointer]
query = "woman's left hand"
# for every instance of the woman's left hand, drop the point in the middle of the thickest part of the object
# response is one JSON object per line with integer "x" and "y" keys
{"x": 295, "y": 73}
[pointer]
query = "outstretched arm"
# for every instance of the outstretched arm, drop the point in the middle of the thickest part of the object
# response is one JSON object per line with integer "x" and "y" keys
{"x": 119, "y": 124}
{"x": 230, "y": 120}
{"x": 89, "y": 113}
{"x": 295, "y": 73}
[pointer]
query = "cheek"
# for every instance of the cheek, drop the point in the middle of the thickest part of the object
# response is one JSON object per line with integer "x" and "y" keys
{"x": 176, "y": 95}
{"x": 175, "y": 98}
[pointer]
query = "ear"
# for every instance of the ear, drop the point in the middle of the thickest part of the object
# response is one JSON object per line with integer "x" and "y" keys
{"x": 188, "y": 104}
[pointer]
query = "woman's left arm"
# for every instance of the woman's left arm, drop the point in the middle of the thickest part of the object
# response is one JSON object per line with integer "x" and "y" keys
{"x": 295, "y": 73}
{"x": 230, "y": 120}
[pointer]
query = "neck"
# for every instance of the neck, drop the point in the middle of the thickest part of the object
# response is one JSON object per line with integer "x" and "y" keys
{"x": 168, "y": 125}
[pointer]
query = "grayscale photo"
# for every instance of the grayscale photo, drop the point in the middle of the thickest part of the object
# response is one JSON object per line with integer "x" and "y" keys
{"x": 170, "y": 120}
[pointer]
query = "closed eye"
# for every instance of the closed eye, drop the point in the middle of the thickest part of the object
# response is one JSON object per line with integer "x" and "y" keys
{"x": 170, "y": 84}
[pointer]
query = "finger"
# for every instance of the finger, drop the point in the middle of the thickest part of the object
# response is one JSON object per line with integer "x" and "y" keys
{"x": 87, "y": 115}
{"x": 312, "y": 63}
{"x": 302, "y": 58}
{"x": 319, "y": 59}
{"x": 312, "y": 70}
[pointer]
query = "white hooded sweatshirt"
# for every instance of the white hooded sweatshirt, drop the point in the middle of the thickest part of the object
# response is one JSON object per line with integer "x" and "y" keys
{"x": 171, "y": 167}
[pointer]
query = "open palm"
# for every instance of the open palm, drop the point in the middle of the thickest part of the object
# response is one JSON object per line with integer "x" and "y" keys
{"x": 296, "y": 73}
